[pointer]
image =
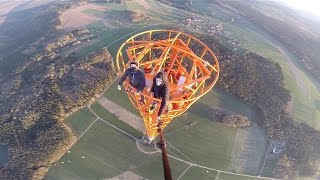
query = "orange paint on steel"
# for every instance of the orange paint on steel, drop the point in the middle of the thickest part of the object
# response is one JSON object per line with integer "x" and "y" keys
{"x": 191, "y": 67}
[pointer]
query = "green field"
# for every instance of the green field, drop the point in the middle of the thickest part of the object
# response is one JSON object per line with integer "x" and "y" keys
{"x": 225, "y": 176}
{"x": 108, "y": 152}
{"x": 199, "y": 173}
{"x": 105, "y": 152}
{"x": 202, "y": 142}
{"x": 268, "y": 167}
{"x": 120, "y": 97}
{"x": 112, "y": 38}
{"x": 112, "y": 119}
{"x": 204, "y": 133}
{"x": 80, "y": 120}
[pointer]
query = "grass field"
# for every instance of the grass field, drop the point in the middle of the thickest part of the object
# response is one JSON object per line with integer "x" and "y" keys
{"x": 105, "y": 152}
{"x": 199, "y": 173}
{"x": 120, "y": 97}
{"x": 103, "y": 113}
{"x": 268, "y": 168}
{"x": 112, "y": 38}
{"x": 224, "y": 176}
{"x": 80, "y": 120}
{"x": 202, "y": 142}
{"x": 205, "y": 133}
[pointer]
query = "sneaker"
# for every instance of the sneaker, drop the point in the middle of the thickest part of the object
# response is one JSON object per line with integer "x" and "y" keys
{"x": 152, "y": 107}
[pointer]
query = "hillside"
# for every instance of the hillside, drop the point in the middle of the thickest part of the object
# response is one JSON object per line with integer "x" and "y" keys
{"x": 292, "y": 30}
{"x": 34, "y": 101}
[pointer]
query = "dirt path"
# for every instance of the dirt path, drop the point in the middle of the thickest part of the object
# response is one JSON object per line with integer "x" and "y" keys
{"x": 124, "y": 115}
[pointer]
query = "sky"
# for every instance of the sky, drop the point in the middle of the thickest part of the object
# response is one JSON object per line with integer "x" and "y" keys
{"x": 312, "y": 6}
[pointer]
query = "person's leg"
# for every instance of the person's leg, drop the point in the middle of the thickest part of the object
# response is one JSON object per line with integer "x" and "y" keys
{"x": 168, "y": 108}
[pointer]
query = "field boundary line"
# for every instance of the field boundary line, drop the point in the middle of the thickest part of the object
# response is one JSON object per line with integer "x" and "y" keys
{"x": 179, "y": 151}
{"x": 78, "y": 137}
{"x": 181, "y": 160}
{"x": 184, "y": 172}
{"x": 226, "y": 172}
{"x": 124, "y": 132}
{"x": 102, "y": 161}
{"x": 217, "y": 176}
{"x": 176, "y": 158}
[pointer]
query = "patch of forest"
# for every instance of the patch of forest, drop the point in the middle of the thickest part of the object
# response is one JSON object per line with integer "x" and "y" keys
{"x": 34, "y": 101}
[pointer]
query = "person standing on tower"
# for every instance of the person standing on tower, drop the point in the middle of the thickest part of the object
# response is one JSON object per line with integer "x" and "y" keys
{"x": 160, "y": 90}
{"x": 136, "y": 78}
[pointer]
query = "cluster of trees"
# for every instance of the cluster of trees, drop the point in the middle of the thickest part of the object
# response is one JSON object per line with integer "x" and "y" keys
{"x": 234, "y": 120}
{"x": 31, "y": 115}
{"x": 259, "y": 82}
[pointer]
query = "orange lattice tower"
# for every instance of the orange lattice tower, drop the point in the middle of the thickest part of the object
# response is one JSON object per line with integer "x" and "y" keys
{"x": 192, "y": 69}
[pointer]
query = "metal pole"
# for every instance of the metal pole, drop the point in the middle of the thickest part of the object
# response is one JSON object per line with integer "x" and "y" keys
{"x": 165, "y": 161}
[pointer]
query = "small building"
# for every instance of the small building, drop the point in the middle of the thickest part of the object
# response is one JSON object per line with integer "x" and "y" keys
{"x": 277, "y": 147}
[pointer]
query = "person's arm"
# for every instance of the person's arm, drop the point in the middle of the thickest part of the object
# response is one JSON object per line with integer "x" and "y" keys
{"x": 165, "y": 99}
{"x": 124, "y": 76}
{"x": 142, "y": 82}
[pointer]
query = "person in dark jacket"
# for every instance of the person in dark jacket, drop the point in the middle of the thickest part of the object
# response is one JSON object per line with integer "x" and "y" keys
{"x": 160, "y": 90}
{"x": 136, "y": 78}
